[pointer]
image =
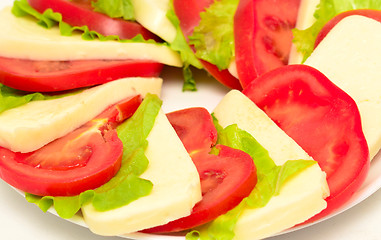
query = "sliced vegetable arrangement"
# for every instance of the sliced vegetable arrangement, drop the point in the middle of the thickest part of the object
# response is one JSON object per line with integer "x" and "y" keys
{"x": 290, "y": 143}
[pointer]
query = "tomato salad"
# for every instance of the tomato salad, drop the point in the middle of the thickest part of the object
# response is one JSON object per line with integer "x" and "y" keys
{"x": 255, "y": 38}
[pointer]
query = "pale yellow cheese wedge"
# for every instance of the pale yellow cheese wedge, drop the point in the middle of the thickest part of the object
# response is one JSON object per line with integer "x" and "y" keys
{"x": 300, "y": 198}
{"x": 21, "y": 37}
{"x": 350, "y": 57}
{"x": 32, "y": 125}
{"x": 152, "y": 14}
{"x": 305, "y": 20}
{"x": 176, "y": 188}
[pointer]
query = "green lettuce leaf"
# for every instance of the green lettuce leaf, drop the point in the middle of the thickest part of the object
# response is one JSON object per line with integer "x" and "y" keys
{"x": 180, "y": 45}
{"x": 12, "y": 98}
{"x": 325, "y": 11}
{"x": 270, "y": 180}
{"x": 48, "y": 19}
{"x": 125, "y": 186}
{"x": 115, "y": 8}
{"x": 213, "y": 38}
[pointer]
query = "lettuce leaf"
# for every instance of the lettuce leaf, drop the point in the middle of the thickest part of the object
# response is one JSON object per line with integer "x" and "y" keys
{"x": 180, "y": 45}
{"x": 12, "y": 98}
{"x": 213, "y": 38}
{"x": 270, "y": 180}
{"x": 126, "y": 186}
{"x": 325, "y": 11}
{"x": 115, "y": 8}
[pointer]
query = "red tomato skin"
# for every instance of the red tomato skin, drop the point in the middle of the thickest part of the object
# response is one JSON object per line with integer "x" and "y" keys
{"x": 263, "y": 37}
{"x": 80, "y": 13}
{"x": 52, "y": 76}
{"x": 371, "y": 13}
{"x": 327, "y": 126}
{"x": 188, "y": 12}
{"x": 237, "y": 173}
{"x": 54, "y": 178}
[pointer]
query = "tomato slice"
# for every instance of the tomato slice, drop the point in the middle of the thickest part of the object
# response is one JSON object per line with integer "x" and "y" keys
{"x": 371, "y": 13}
{"x": 49, "y": 76}
{"x": 188, "y": 12}
{"x": 225, "y": 178}
{"x": 263, "y": 37}
{"x": 322, "y": 119}
{"x": 80, "y": 13}
{"x": 83, "y": 159}
{"x": 195, "y": 137}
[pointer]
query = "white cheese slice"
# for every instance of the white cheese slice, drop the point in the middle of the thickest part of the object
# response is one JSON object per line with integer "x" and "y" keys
{"x": 350, "y": 57}
{"x": 176, "y": 188}
{"x": 32, "y": 125}
{"x": 300, "y": 198}
{"x": 152, "y": 14}
{"x": 305, "y": 20}
{"x": 21, "y": 37}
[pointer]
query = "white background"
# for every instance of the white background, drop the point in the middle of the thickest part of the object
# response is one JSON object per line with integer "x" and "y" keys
{"x": 22, "y": 220}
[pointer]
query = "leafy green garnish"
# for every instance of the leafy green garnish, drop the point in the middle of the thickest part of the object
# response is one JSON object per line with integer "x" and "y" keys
{"x": 125, "y": 186}
{"x": 12, "y": 98}
{"x": 180, "y": 45}
{"x": 115, "y": 8}
{"x": 270, "y": 180}
{"x": 213, "y": 38}
{"x": 325, "y": 11}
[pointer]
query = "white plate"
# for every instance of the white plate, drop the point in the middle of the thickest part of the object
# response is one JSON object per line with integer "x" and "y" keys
{"x": 25, "y": 220}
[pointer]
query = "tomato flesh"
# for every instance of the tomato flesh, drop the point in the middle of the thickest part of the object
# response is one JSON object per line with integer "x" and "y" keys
{"x": 50, "y": 76}
{"x": 371, "y": 13}
{"x": 322, "y": 119}
{"x": 80, "y": 13}
{"x": 225, "y": 178}
{"x": 194, "y": 137}
{"x": 263, "y": 37}
{"x": 81, "y": 160}
{"x": 188, "y": 12}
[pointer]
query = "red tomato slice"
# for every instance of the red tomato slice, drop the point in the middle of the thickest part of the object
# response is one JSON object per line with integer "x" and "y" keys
{"x": 188, "y": 12}
{"x": 49, "y": 76}
{"x": 83, "y": 159}
{"x": 195, "y": 137}
{"x": 263, "y": 36}
{"x": 226, "y": 178}
{"x": 80, "y": 13}
{"x": 322, "y": 119}
{"x": 371, "y": 13}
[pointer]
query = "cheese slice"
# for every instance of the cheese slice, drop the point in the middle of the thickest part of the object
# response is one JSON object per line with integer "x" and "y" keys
{"x": 22, "y": 37}
{"x": 350, "y": 57}
{"x": 176, "y": 188}
{"x": 300, "y": 198}
{"x": 152, "y": 14}
{"x": 32, "y": 125}
{"x": 305, "y": 20}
